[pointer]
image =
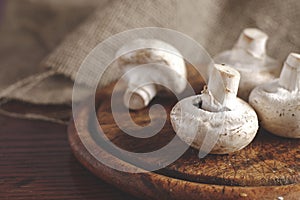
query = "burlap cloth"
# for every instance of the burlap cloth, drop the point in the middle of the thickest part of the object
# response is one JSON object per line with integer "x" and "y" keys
{"x": 43, "y": 43}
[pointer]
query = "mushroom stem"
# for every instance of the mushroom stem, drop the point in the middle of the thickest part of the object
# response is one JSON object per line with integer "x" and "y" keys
{"x": 253, "y": 41}
{"x": 290, "y": 74}
{"x": 223, "y": 86}
{"x": 136, "y": 98}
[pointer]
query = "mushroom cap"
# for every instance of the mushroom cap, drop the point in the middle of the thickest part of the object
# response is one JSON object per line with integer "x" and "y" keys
{"x": 236, "y": 128}
{"x": 278, "y": 109}
{"x": 158, "y": 53}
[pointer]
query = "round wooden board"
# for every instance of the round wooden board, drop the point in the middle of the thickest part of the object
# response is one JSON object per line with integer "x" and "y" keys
{"x": 269, "y": 168}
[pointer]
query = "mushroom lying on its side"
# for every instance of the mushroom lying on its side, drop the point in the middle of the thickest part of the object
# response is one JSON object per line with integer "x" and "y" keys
{"x": 249, "y": 57}
{"x": 217, "y": 109}
{"x": 148, "y": 65}
{"x": 278, "y": 103}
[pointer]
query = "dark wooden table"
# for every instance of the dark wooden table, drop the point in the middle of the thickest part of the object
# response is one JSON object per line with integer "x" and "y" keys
{"x": 36, "y": 162}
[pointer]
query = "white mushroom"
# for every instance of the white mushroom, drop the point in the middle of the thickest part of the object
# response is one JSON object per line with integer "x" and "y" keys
{"x": 278, "y": 103}
{"x": 216, "y": 110}
{"x": 249, "y": 57}
{"x": 149, "y": 65}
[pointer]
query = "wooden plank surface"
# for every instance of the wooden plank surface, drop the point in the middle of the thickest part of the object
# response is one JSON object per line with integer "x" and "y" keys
{"x": 36, "y": 162}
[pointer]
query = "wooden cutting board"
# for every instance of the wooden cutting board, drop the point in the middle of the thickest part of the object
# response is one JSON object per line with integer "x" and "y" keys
{"x": 269, "y": 168}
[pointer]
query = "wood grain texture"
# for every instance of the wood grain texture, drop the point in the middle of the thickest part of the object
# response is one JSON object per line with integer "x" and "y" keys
{"x": 36, "y": 162}
{"x": 268, "y": 168}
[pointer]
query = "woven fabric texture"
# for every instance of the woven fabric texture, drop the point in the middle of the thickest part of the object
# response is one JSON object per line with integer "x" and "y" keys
{"x": 215, "y": 24}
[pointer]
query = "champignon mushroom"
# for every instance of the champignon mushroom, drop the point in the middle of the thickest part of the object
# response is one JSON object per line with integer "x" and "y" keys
{"x": 249, "y": 57}
{"x": 216, "y": 109}
{"x": 278, "y": 103}
{"x": 159, "y": 67}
